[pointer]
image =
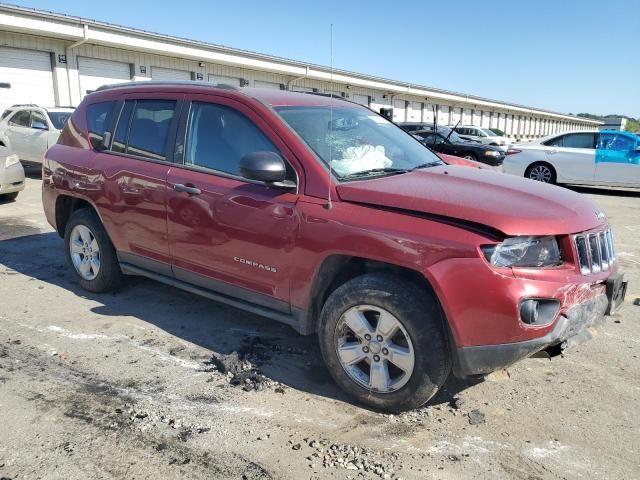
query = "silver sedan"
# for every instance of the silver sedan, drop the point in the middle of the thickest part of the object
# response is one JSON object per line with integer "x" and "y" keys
{"x": 11, "y": 175}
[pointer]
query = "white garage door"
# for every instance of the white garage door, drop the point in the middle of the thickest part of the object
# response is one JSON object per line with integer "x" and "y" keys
{"x": 95, "y": 72}
{"x": 224, "y": 80}
{"x": 361, "y": 99}
{"x": 443, "y": 115}
{"x": 297, "y": 88}
{"x": 169, "y": 74}
{"x": 415, "y": 112}
{"x": 399, "y": 111}
{"x": 25, "y": 77}
{"x": 271, "y": 85}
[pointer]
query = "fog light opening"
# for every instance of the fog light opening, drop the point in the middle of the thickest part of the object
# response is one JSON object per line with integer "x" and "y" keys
{"x": 535, "y": 311}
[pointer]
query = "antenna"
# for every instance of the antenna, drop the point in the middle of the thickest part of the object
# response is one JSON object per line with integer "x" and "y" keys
{"x": 329, "y": 204}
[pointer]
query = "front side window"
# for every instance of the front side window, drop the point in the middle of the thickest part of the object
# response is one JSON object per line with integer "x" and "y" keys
{"x": 5, "y": 114}
{"x": 354, "y": 140}
{"x": 149, "y": 128}
{"x": 21, "y": 119}
{"x": 612, "y": 141}
{"x": 219, "y": 136}
{"x": 578, "y": 140}
{"x": 99, "y": 117}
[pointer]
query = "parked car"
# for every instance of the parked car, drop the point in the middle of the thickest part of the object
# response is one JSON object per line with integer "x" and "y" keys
{"x": 449, "y": 142}
{"x": 483, "y": 135}
{"x": 29, "y": 130}
{"x": 405, "y": 267}
{"x": 497, "y": 131}
{"x": 608, "y": 157}
{"x": 11, "y": 175}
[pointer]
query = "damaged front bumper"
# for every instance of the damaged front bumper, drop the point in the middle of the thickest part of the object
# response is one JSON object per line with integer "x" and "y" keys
{"x": 576, "y": 325}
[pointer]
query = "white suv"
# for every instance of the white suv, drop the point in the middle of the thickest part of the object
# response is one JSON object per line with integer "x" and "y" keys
{"x": 483, "y": 135}
{"x": 29, "y": 130}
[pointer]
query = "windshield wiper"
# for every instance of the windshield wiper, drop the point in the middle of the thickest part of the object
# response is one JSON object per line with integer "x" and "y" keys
{"x": 426, "y": 165}
{"x": 374, "y": 171}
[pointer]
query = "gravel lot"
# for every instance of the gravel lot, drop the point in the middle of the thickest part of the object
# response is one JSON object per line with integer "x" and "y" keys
{"x": 129, "y": 385}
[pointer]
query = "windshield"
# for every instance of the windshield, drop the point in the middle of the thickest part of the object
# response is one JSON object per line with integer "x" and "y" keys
{"x": 489, "y": 133}
{"x": 59, "y": 119}
{"x": 498, "y": 132}
{"x": 357, "y": 141}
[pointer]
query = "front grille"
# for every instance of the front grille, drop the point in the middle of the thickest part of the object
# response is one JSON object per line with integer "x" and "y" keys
{"x": 596, "y": 251}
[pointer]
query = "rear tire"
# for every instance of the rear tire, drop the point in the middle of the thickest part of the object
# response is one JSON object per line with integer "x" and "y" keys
{"x": 541, "y": 172}
{"x": 405, "y": 361}
{"x": 9, "y": 197}
{"x": 90, "y": 253}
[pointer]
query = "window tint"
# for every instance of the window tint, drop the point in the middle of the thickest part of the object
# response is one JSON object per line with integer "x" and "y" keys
{"x": 122, "y": 129}
{"x": 150, "y": 127}
{"x": 38, "y": 118}
{"x": 218, "y": 137}
{"x": 554, "y": 142}
{"x": 98, "y": 120}
{"x": 21, "y": 119}
{"x": 5, "y": 114}
{"x": 578, "y": 140}
{"x": 612, "y": 141}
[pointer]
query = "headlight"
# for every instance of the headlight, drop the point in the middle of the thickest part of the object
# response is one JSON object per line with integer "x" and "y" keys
{"x": 492, "y": 153}
{"x": 523, "y": 252}
{"x": 11, "y": 160}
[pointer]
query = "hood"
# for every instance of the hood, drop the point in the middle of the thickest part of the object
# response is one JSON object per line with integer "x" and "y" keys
{"x": 510, "y": 204}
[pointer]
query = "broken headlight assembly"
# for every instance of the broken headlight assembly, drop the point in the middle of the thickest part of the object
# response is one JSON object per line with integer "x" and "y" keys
{"x": 523, "y": 252}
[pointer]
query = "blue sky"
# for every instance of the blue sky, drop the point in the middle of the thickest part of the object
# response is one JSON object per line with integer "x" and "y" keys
{"x": 563, "y": 55}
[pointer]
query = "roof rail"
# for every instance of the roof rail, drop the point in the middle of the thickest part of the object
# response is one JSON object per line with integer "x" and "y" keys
{"x": 147, "y": 83}
{"x": 24, "y": 105}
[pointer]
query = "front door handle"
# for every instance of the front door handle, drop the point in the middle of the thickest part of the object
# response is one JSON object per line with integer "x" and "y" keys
{"x": 178, "y": 187}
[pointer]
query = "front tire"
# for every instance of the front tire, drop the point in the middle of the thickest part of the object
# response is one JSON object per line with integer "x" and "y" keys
{"x": 470, "y": 156}
{"x": 382, "y": 339}
{"x": 90, "y": 253}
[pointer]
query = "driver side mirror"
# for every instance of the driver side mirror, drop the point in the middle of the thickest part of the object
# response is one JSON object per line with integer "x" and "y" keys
{"x": 267, "y": 167}
{"x": 37, "y": 125}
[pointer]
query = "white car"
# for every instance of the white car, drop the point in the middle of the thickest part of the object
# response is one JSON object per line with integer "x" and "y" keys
{"x": 608, "y": 157}
{"x": 29, "y": 130}
{"x": 11, "y": 175}
{"x": 483, "y": 135}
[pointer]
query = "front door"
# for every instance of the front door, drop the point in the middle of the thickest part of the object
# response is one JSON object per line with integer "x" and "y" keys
{"x": 228, "y": 234}
{"x": 617, "y": 160}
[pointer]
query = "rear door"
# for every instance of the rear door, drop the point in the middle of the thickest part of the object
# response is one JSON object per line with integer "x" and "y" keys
{"x": 573, "y": 156}
{"x": 132, "y": 172}
{"x": 228, "y": 234}
{"x": 617, "y": 160}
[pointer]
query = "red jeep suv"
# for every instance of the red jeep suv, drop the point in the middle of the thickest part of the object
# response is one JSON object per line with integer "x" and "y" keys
{"x": 321, "y": 214}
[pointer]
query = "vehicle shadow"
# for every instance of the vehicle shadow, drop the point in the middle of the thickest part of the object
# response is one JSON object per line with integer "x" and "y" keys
{"x": 610, "y": 192}
{"x": 286, "y": 357}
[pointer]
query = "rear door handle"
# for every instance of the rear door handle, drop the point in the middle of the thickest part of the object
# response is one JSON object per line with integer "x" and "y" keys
{"x": 178, "y": 187}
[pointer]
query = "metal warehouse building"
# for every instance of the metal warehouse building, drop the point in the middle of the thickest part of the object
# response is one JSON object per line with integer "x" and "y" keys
{"x": 54, "y": 60}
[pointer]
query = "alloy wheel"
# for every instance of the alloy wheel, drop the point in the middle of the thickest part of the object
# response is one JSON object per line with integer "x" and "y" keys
{"x": 85, "y": 252}
{"x": 374, "y": 348}
{"x": 541, "y": 173}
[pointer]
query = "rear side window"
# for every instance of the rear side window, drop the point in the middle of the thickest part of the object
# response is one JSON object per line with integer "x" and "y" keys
{"x": 99, "y": 116}
{"x": 21, "y": 119}
{"x": 149, "y": 128}
{"x": 579, "y": 140}
{"x": 218, "y": 137}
